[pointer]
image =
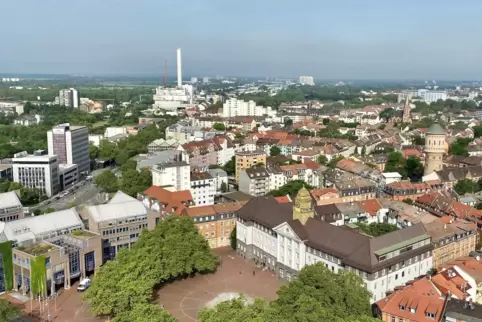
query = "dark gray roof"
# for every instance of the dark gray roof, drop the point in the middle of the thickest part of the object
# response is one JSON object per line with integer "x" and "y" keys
{"x": 257, "y": 173}
{"x": 352, "y": 248}
{"x": 455, "y": 309}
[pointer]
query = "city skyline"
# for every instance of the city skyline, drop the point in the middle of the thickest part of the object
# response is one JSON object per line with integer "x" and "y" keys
{"x": 342, "y": 40}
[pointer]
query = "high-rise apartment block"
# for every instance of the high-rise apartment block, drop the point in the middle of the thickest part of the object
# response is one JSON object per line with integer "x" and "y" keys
{"x": 69, "y": 98}
{"x": 248, "y": 159}
{"x": 234, "y": 107}
{"x": 307, "y": 80}
{"x": 71, "y": 145}
{"x": 39, "y": 171}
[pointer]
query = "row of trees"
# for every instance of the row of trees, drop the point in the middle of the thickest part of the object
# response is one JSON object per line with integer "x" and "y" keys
{"x": 317, "y": 294}
{"x": 468, "y": 186}
{"x": 123, "y": 288}
{"x": 27, "y": 196}
{"x": 130, "y": 181}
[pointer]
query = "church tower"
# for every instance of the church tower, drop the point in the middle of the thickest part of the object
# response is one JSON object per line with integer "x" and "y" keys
{"x": 434, "y": 148}
{"x": 406, "y": 116}
{"x": 303, "y": 208}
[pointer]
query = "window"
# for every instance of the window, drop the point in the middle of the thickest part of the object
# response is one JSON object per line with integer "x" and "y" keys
{"x": 402, "y": 307}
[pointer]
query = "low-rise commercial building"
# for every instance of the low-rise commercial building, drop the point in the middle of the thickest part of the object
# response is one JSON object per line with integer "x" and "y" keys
{"x": 10, "y": 207}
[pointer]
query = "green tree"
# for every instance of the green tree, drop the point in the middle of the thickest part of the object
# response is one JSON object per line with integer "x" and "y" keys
{"x": 232, "y": 239}
{"x": 408, "y": 201}
{"x": 230, "y": 166}
{"x": 107, "y": 150}
{"x": 49, "y": 210}
{"x": 377, "y": 229}
{"x": 414, "y": 168}
{"x": 31, "y": 196}
{"x": 9, "y": 311}
{"x": 334, "y": 161}
{"x": 145, "y": 313}
{"x": 274, "y": 151}
{"x": 418, "y": 140}
{"x": 288, "y": 122}
{"x": 322, "y": 159}
{"x": 387, "y": 113}
{"x": 122, "y": 157}
{"x": 237, "y": 310}
{"x": 291, "y": 188}
{"x": 467, "y": 186}
{"x": 460, "y": 147}
{"x": 93, "y": 151}
{"x": 172, "y": 250}
{"x": 477, "y": 131}
{"x": 363, "y": 151}
{"x": 107, "y": 181}
{"x": 219, "y": 127}
{"x": 382, "y": 127}
{"x": 341, "y": 295}
{"x": 129, "y": 165}
{"x": 133, "y": 181}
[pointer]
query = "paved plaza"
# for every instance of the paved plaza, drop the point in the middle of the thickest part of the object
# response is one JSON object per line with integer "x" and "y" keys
{"x": 184, "y": 298}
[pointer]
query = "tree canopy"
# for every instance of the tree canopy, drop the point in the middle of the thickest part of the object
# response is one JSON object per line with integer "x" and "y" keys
{"x": 291, "y": 188}
{"x": 125, "y": 285}
{"x": 460, "y": 147}
{"x": 8, "y": 311}
{"x": 468, "y": 186}
{"x": 317, "y": 294}
{"x": 376, "y": 229}
{"x": 274, "y": 151}
{"x": 411, "y": 168}
{"x": 219, "y": 127}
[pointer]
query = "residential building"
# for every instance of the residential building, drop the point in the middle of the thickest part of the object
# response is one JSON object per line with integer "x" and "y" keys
{"x": 234, "y": 107}
{"x": 434, "y": 148}
{"x": 71, "y": 145}
{"x": 307, "y": 80}
{"x": 57, "y": 243}
{"x": 162, "y": 145}
{"x": 69, "y": 98}
{"x": 285, "y": 237}
{"x": 248, "y": 159}
{"x": 173, "y": 173}
{"x": 325, "y": 196}
{"x": 185, "y": 132}
{"x": 39, "y": 171}
{"x": 10, "y": 207}
{"x": 215, "y": 151}
{"x": 419, "y": 301}
{"x": 149, "y": 160}
{"x": 215, "y": 222}
{"x": 469, "y": 273}
{"x": 303, "y": 172}
{"x": 432, "y": 96}
{"x": 166, "y": 202}
{"x": 402, "y": 190}
{"x": 220, "y": 178}
{"x": 202, "y": 188}
{"x": 254, "y": 181}
{"x": 350, "y": 187}
{"x": 119, "y": 222}
{"x": 28, "y": 120}
{"x": 451, "y": 239}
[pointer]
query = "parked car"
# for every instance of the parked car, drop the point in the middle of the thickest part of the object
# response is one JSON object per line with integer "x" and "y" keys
{"x": 83, "y": 285}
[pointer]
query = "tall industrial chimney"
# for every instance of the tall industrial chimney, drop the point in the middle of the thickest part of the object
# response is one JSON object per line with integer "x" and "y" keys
{"x": 179, "y": 68}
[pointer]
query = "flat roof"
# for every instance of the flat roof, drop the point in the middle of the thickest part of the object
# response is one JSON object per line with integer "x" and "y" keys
{"x": 9, "y": 199}
{"x": 37, "y": 248}
{"x": 82, "y": 234}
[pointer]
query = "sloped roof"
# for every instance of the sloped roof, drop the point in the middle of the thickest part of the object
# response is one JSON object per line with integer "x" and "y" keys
{"x": 435, "y": 128}
{"x": 173, "y": 199}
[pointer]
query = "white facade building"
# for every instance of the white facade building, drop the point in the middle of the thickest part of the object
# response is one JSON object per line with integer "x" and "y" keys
{"x": 71, "y": 145}
{"x": 307, "y": 80}
{"x": 234, "y": 107}
{"x": 432, "y": 96}
{"x": 203, "y": 189}
{"x": 286, "y": 237}
{"x": 37, "y": 171}
{"x": 175, "y": 173}
{"x": 69, "y": 98}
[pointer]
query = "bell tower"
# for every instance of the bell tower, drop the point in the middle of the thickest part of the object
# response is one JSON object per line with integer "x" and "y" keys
{"x": 406, "y": 116}
{"x": 303, "y": 208}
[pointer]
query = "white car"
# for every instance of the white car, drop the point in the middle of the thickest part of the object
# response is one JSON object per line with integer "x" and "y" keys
{"x": 83, "y": 285}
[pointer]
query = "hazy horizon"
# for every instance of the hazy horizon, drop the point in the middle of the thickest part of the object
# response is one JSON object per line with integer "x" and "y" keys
{"x": 346, "y": 39}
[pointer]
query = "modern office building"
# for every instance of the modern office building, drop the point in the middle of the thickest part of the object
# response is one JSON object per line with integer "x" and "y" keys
{"x": 307, "y": 80}
{"x": 68, "y": 175}
{"x": 53, "y": 247}
{"x": 69, "y": 98}
{"x": 71, "y": 145}
{"x": 10, "y": 207}
{"x": 119, "y": 222}
{"x": 39, "y": 171}
{"x": 247, "y": 159}
{"x": 285, "y": 237}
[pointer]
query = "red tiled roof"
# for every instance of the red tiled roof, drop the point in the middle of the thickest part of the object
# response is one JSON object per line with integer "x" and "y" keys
{"x": 370, "y": 206}
{"x": 322, "y": 191}
{"x": 172, "y": 199}
{"x": 283, "y": 199}
{"x": 416, "y": 299}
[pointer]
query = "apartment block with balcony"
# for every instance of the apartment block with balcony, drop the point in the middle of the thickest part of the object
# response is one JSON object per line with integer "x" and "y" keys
{"x": 203, "y": 188}
{"x": 119, "y": 222}
{"x": 254, "y": 181}
{"x": 10, "y": 207}
{"x": 247, "y": 159}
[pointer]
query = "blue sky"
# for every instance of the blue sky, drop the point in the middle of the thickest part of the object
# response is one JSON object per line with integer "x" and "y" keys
{"x": 410, "y": 39}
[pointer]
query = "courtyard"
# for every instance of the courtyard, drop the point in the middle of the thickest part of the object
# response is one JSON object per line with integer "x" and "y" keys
{"x": 183, "y": 299}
